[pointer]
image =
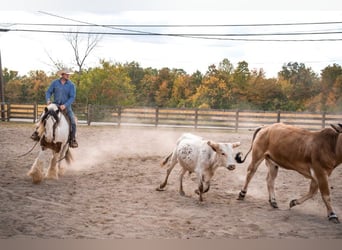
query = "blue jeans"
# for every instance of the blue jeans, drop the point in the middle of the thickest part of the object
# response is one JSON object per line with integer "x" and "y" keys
{"x": 71, "y": 115}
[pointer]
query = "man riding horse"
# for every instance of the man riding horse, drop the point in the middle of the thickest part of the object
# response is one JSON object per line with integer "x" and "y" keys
{"x": 64, "y": 92}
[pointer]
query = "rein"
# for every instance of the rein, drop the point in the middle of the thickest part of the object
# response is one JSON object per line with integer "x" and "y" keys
{"x": 29, "y": 150}
{"x": 43, "y": 119}
{"x": 55, "y": 116}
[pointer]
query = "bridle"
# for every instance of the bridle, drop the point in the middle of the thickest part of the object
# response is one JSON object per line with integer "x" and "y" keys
{"x": 54, "y": 115}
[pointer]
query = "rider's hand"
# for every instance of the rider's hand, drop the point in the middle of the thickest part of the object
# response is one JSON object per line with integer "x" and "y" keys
{"x": 62, "y": 107}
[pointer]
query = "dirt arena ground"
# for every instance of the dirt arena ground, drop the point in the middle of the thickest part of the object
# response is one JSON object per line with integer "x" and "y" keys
{"x": 109, "y": 193}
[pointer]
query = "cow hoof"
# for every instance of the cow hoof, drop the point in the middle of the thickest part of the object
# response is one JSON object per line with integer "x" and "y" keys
{"x": 333, "y": 218}
{"x": 274, "y": 204}
{"x": 197, "y": 192}
{"x": 293, "y": 203}
{"x": 181, "y": 193}
{"x": 160, "y": 189}
{"x": 242, "y": 195}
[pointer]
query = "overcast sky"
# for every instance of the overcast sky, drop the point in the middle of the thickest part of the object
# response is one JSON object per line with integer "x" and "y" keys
{"x": 24, "y": 51}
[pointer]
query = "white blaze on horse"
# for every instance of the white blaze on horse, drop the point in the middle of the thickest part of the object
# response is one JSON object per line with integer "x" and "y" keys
{"x": 53, "y": 130}
{"x": 203, "y": 157}
{"x": 312, "y": 154}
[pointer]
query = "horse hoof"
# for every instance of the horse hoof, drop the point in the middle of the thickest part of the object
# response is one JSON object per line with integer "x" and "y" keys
{"x": 36, "y": 181}
{"x": 293, "y": 203}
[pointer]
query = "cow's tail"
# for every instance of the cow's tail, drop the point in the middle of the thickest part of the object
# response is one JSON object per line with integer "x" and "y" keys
{"x": 166, "y": 159}
{"x": 238, "y": 156}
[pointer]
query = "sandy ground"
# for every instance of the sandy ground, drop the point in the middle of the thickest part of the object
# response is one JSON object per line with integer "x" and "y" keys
{"x": 109, "y": 193}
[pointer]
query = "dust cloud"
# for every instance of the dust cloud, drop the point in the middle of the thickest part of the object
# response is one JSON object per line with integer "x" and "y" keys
{"x": 110, "y": 142}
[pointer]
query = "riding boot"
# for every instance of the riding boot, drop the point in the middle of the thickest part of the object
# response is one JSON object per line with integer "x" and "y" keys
{"x": 73, "y": 143}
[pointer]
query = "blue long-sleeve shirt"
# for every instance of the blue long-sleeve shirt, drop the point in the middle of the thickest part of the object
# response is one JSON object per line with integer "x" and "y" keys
{"x": 63, "y": 93}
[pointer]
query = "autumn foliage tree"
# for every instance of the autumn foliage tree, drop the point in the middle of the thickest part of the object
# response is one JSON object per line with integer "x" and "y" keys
{"x": 223, "y": 86}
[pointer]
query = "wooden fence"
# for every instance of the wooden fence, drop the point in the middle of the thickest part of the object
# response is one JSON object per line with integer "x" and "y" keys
{"x": 169, "y": 117}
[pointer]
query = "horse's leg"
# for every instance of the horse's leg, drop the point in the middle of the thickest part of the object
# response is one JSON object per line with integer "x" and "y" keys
{"x": 52, "y": 172}
{"x": 61, "y": 168}
{"x": 37, "y": 169}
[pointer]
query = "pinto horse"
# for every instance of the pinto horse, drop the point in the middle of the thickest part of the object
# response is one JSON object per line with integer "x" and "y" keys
{"x": 53, "y": 130}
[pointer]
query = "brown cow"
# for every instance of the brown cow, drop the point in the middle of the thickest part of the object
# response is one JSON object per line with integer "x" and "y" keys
{"x": 312, "y": 154}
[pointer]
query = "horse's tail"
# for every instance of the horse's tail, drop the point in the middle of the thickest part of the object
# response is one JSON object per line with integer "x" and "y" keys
{"x": 238, "y": 156}
{"x": 68, "y": 156}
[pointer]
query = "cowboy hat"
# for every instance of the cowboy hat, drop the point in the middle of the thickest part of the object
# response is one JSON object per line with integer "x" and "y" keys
{"x": 65, "y": 71}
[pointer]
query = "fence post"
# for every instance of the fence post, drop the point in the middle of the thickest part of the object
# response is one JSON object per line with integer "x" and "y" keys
{"x": 8, "y": 112}
{"x": 3, "y": 111}
{"x": 119, "y": 115}
{"x": 156, "y": 122}
{"x": 35, "y": 111}
{"x": 89, "y": 114}
{"x": 278, "y": 116}
{"x": 323, "y": 119}
{"x": 236, "y": 120}
{"x": 196, "y": 118}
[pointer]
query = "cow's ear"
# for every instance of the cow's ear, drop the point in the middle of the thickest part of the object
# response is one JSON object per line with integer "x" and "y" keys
{"x": 213, "y": 145}
{"x": 236, "y": 144}
{"x": 46, "y": 109}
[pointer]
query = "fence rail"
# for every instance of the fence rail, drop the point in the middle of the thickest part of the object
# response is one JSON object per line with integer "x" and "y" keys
{"x": 171, "y": 117}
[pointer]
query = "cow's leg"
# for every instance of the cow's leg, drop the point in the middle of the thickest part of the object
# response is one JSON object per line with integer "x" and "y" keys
{"x": 181, "y": 191}
{"x": 325, "y": 192}
{"x": 271, "y": 176}
{"x": 312, "y": 191}
{"x": 52, "y": 172}
{"x": 320, "y": 183}
{"x": 257, "y": 158}
{"x": 168, "y": 171}
{"x": 204, "y": 184}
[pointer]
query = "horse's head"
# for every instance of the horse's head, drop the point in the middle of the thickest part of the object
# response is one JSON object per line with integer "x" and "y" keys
{"x": 49, "y": 122}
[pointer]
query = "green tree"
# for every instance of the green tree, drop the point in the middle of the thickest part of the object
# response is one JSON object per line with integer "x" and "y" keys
{"x": 300, "y": 84}
{"x": 40, "y": 82}
{"x": 212, "y": 93}
{"x": 148, "y": 87}
{"x": 136, "y": 75}
{"x": 330, "y": 86}
{"x": 108, "y": 85}
{"x": 165, "y": 82}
